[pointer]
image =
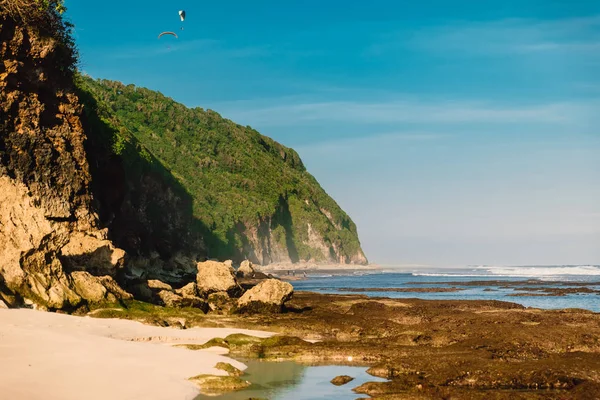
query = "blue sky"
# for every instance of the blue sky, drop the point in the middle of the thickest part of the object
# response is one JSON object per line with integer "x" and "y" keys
{"x": 463, "y": 132}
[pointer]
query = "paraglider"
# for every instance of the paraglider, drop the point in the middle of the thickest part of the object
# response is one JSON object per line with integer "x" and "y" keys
{"x": 168, "y": 33}
{"x": 182, "y": 16}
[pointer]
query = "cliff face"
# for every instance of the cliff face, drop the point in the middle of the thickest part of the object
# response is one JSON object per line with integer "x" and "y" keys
{"x": 47, "y": 227}
{"x": 103, "y": 183}
{"x": 240, "y": 193}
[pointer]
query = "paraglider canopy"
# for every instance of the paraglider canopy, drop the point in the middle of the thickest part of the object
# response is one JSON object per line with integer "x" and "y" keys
{"x": 168, "y": 33}
{"x": 182, "y": 15}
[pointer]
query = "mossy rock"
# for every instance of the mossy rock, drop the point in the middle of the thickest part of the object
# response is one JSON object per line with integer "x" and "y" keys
{"x": 258, "y": 307}
{"x": 278, "y": 341}
{"x": 211, "y": 384}
{"x": 245, "y": 345}
{"x": 341, "y": 380}
{"x": 240, "y": 339}
{"x": 230, "y": 369}
{"x": 216, "y": 342}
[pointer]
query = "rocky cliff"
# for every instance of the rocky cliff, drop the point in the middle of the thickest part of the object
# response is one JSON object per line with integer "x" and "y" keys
{"x": 103, "y": 184}
{"x": 244, "y": 195}
{"x": 49, "y": 232}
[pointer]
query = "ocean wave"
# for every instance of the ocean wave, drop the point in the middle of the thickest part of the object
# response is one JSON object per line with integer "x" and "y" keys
{"x": 450, "y": 275}
{"x": 544, "y": 271}
{"x": 547, "y": 272}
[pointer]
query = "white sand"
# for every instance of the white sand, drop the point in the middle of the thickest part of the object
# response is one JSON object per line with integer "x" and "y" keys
{"x": 51, "y": 356}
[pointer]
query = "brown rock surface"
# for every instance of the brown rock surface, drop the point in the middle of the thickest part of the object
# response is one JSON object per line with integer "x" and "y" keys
{"x": 48, "y": 226}
{"x": 269, "y": 295}
{"x": 341, "y": 380}
{"x": 245, "y": 270}
{"x": 189, "y": 290}
{"x": 214, "y": 276}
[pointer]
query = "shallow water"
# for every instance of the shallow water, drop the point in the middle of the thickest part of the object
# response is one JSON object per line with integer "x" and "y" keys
{"x": 292, "y": 381}
{"x": 549, "y": 276}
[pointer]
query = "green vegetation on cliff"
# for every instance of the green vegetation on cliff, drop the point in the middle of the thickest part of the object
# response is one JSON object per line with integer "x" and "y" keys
{"x": 251, "y": 193}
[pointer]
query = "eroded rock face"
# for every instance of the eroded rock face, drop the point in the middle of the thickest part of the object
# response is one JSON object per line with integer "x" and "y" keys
{"x": 268, "y": 296}
{"x": 214, "y": 276}
{"x": 48, "y": 227}
{"x": 94, "y": 254}
{"x": 97, "y": 289}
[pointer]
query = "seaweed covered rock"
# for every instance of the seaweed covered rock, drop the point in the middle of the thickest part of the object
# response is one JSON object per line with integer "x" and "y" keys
{"x": 341, "y": 380}
{"x": 268, "y": 296}
{"x": 214, "y": 276}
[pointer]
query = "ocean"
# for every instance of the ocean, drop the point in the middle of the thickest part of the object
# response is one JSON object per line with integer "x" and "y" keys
{"x": 547, "y": 287}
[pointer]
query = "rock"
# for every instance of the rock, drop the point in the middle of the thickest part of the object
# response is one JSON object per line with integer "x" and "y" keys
{"x": 229, "y": 263}
{"x": 230, "y": 369}
{"x": 91, "y": 253}
{"x": 341, "y": 380}
{"x": 189, "y": 290}
{"x": 142, "y": 292}
{"x": 157, "y": 285}
{"x": 3, "y": 305}
{"x": 88, "y": 287}
{"x": 114, "y": 288}
{"x": 268, "y": 296}
{"x": 170, "y": 299}
{"x": 245, "y": 270}
{"x": 220, "y": 302}
{"x": 96, "y": 289}
{"x": 216, "y": 277}
{"x": 211, "y": 385}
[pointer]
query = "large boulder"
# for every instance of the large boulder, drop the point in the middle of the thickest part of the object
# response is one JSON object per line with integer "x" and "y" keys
{"x": 268, "y": 296}
{"x": 214, "y": 276}
{"x": 95, "y": 289}
{"x": 245, "y": 270}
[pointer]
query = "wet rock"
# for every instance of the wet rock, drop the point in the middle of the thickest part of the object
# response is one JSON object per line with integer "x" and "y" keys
{"x": 214, "y": 277}
{"x": 341, "y": 380}
{"x": 268, "y": 296}
{"x": 245, "y": 270}
{"x": 212, "y": 385}
{"x": 230, "y": 369}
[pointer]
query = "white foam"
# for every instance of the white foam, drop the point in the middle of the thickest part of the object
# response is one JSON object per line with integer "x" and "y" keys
{"x": 544, "y": 271}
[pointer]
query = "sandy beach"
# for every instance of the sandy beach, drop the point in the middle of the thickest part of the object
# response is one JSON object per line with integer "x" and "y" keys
{"x": 55, "y": 356}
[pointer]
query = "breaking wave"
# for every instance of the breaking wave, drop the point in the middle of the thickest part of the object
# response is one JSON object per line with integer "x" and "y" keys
{"x": 544, "y": 271}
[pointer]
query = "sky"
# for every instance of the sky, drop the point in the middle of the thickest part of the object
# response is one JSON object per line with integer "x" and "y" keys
{"x": 452, "y": 132}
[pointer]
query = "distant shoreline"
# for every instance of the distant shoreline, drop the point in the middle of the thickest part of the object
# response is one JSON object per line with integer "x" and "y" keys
{"x": 305, "y": 267}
